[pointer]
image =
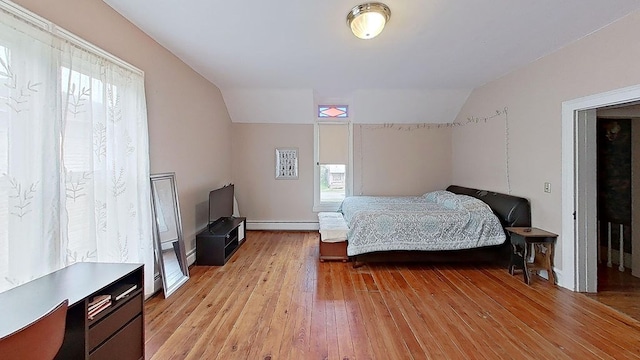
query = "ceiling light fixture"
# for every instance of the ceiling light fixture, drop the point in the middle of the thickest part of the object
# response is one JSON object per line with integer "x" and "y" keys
{"x": 367, "y": 20}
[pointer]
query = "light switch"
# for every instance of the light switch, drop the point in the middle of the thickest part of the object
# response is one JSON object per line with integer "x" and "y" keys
{"x": 547, "y": 187}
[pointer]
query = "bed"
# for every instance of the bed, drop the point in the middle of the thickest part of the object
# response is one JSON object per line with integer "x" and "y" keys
{"x": 459, "y": 224}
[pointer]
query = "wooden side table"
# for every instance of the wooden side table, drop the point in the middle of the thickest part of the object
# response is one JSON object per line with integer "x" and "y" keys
{"x": 533, "y": 250}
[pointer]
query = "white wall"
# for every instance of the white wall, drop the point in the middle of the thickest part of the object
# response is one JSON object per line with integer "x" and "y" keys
{"x": 387, "y": 161}
{"x": 260, "y": 196}
{"x": 602, "y": 61}
{"x": 372, "y": 106}
{"x": 403, "y": 159}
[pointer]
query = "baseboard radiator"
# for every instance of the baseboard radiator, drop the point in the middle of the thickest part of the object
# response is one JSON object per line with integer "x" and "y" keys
{"x": 283, "y": 225}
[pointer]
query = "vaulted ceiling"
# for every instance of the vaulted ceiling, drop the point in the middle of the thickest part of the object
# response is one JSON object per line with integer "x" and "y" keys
{"x": 273, "y": 60}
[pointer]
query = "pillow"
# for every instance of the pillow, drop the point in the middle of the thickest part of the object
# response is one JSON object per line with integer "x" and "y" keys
{"x": 439, "y": 196}
{"x": 472, "y": 204}
{"x": 452, "y": 203}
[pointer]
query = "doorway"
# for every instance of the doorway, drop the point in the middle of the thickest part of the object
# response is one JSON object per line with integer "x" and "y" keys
{"x": 579, "y": 219}
{"x": 617, "y": 153}
{"x": 618, "y": 150}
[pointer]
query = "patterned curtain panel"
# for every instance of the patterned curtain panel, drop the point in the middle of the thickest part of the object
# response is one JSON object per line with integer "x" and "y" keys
{"x": 74, "y": 157}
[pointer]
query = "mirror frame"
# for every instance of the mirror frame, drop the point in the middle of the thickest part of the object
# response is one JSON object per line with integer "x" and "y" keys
{"x": 167, "y": 210}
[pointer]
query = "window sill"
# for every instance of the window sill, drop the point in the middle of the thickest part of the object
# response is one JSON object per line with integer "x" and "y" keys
{"x": 327, "y": 207}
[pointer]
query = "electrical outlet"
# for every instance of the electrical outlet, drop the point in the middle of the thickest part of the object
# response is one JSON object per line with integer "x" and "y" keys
{"x": 547, "y": 187}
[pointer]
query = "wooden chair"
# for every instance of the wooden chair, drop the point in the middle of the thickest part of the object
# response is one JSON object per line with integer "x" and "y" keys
{"x": 41, "y": 339}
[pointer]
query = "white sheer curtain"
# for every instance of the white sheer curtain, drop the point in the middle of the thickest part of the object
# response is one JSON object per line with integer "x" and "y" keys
{"x": 74, "y": 158}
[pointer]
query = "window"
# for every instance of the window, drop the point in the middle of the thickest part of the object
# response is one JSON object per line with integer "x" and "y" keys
{"x": 333, "y": 111}
{"x": 74, "y": 155}
{"x": 4, "y": 160}
{"x": 83, "y": 95}
{"x": 333, "y": 179}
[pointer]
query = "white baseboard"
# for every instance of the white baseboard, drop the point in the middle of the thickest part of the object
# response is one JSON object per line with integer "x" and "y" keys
{"x": 545, "y": 274}
{"x": 282, "y": 225}
{"x": 191, "y": 257}
{"x": 157, "y": 282}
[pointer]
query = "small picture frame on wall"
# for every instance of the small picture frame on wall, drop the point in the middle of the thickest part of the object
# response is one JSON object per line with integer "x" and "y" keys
{"x": 286, "y": 163}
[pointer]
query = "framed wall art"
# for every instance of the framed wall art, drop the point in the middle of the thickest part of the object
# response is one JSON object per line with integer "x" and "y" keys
{"x": 286, "y": 163}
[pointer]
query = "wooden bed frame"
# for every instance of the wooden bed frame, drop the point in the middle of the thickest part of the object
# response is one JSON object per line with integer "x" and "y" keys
{"x": 511, "y": 210}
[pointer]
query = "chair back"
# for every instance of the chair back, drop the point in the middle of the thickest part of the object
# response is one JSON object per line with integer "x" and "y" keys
{"x": 41, "y": 339}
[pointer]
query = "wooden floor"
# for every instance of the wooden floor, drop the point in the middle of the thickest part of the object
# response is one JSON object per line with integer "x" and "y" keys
{"x": 617, "y": 289}
{"x": 275, "y": 300}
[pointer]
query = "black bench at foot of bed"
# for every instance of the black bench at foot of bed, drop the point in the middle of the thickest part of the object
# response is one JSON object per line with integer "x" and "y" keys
{"x": 513, "y": 211}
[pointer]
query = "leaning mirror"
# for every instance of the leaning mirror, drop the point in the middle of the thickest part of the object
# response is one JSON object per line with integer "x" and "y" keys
{"x": 169, "y": 244}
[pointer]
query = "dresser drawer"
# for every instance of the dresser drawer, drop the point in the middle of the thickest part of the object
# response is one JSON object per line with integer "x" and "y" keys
{"x": 126, "y": 344}
{"x": 108, "y": 325}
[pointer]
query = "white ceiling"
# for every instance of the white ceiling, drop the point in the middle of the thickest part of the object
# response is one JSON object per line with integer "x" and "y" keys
{"x": 267, "y": 55}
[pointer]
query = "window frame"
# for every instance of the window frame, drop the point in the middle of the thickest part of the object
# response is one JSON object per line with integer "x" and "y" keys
{"x": 318, "y": 205}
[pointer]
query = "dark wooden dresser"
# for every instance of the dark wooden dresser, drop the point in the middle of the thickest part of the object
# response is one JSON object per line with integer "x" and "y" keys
{"x": 117, "y": 332}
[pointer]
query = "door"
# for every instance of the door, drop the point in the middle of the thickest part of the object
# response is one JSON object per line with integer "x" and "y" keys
{"x": 635, "y": 197}
{"x": 586, "y": 206}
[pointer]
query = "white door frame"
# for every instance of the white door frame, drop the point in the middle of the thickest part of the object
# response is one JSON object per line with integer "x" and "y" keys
{"x": 576, "y": 274}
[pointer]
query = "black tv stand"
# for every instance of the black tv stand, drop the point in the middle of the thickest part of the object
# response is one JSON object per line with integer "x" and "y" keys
{"x": 220, "y": 240}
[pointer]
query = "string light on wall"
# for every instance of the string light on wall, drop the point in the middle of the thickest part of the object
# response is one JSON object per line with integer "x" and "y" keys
{"x": 484, "y": 119}
{"x": 410, "y": 127}
{"x": 507, "y": 157}
{"x": 429, "y": 126}
{"x": 506, "y": 150}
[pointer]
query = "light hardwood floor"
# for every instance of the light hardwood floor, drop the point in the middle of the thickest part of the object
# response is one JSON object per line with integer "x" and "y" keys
{"x": 275, "y": 300}
{"x": 620, "y": 290}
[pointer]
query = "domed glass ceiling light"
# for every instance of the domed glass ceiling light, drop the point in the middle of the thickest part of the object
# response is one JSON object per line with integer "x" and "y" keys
{"x": 367, "y": 20}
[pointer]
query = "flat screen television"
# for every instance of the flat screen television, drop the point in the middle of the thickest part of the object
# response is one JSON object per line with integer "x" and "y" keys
{"x": 220, "y": 203}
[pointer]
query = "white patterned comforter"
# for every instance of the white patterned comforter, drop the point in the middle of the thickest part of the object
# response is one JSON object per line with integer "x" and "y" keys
{"x": 438, "y": 220}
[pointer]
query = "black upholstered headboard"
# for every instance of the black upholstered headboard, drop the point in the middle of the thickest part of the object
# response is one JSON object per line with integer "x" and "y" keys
{"x": 511, "y": 210}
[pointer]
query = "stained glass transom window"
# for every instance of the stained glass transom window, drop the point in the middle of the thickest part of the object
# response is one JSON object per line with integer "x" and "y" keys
{"x": 333, "y": 111}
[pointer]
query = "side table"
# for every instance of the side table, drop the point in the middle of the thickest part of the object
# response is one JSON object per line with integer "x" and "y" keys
{"x": 533, "y": 250}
